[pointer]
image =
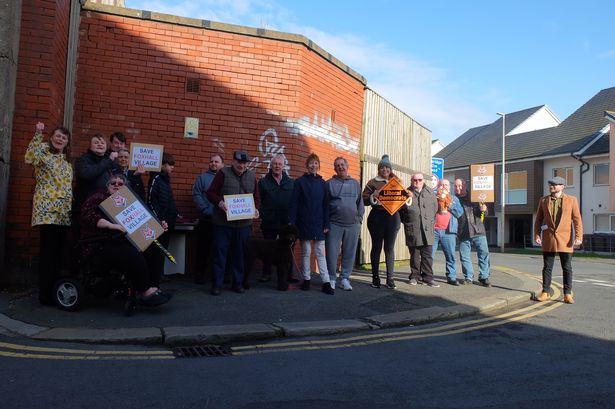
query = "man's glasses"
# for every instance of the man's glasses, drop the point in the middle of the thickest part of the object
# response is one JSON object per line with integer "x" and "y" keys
{"x": 118, "y": 183}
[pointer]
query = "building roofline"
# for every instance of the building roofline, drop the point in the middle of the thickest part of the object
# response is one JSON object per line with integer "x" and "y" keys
{"x": 223, "y": 27}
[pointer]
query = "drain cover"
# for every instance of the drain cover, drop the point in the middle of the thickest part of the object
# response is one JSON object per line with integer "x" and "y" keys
{"x": 202, "y": 351}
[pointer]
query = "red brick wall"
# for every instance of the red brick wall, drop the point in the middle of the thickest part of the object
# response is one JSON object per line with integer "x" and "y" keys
{"x": 261, "y": 95}
{"x": 39, "y": 96}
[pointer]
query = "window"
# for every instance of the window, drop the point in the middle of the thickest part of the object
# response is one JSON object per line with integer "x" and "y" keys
{"x": 604, "y": 223}
{"x": 601, "y": 174}
{"x": 516, "y": 187}
{"x": 566, "y": 173}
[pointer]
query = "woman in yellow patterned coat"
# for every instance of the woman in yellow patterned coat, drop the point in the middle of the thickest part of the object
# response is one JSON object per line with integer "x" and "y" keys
{"x": 52, "y": 202}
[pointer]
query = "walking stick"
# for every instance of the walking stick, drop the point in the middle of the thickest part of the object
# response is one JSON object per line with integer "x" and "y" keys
{"x": 166, "y": 252}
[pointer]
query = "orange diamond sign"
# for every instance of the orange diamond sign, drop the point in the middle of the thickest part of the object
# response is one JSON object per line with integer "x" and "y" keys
{"x": 393, "y": 196}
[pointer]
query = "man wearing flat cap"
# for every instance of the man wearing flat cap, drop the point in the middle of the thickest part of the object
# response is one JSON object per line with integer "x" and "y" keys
{"x": 556, "y": 216}
{"x": 231, "y": 234}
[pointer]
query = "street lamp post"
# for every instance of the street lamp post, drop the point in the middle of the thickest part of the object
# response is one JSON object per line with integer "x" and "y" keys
{"x": 503, "y": 185}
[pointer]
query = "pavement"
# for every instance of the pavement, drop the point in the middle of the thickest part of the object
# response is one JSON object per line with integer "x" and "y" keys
{"x": 194, "y": 317}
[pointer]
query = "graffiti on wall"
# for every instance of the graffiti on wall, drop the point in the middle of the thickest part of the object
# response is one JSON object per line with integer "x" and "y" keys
{"x": 268, "y": 147}
{"x": 325, "y": 130}
{"x": 318, "y": 127}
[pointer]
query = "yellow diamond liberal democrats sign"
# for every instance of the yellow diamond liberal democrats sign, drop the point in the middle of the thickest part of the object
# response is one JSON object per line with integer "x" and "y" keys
{"x": 393, "y": 196}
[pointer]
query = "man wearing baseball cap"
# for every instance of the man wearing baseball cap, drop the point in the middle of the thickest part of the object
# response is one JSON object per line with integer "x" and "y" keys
{"x": 231, "y": 235}
{"x": 556, "y": 216}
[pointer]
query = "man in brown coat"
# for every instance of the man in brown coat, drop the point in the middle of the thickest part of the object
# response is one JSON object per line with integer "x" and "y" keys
{"x": 555, "y": 217}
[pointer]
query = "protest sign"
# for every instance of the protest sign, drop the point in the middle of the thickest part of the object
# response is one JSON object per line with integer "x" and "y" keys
{"x": 124, "y": 208}
{"x": 482, "y": 186}
{"x": 148, "y": 155}
{"x": 393, "y": 196}
{"x": 240, "y": 207}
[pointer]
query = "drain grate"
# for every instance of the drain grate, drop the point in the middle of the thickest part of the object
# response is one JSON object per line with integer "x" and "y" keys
{"x": 202, "y": 351}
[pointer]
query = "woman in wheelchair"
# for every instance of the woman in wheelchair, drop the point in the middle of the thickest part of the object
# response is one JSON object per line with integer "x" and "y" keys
{"x": 116, "y": 252}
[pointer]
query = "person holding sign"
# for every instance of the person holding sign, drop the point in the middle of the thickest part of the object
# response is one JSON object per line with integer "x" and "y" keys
{"x": 472, "y": 231}
{"x": 232, "y": 221}
{"x": 382, "y": 226}
{"x": 51, "y": 203}
{"x": 557, "y": 229}
{"x": 134, "y": 176}
{"x": 309, "y": 212}
{"x": 449, "y": 211}
{"x": 114, "y": 251}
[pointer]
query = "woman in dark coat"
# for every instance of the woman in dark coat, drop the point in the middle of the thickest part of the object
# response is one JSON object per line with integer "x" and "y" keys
{"x": 309, "y": 211}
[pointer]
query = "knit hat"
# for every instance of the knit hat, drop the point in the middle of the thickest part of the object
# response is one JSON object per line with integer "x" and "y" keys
{"x": 385, "y": 161}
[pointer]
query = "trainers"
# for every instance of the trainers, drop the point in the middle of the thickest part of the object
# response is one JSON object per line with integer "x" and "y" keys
{"x": 327, "y": 289}
{"x": 345, "y": 283}
{"x": 305, "y": 285}
{"x": 484, "y": 282}
{"x": 391, "y": 284}
{"x": 452, "y": 282}
{"x": 376, "y": 282}
{"x": 413, "y": 281}
{"x": 332, "y": 282}
{"x": 432, "y": 284}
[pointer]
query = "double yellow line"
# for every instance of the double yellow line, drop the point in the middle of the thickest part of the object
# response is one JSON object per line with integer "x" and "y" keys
{"x": 32, "y": 352}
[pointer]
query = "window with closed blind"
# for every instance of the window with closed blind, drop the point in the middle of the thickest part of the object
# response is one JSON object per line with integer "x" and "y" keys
{"x": 516, "y": 187}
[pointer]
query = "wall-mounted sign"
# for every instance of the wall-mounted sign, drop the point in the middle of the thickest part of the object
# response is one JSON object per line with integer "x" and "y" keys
{"x": 124, "y": 208}
{"x": 482, "y": 183}
{"x": 191, "y": 128}
{"x": 148, "y": 155}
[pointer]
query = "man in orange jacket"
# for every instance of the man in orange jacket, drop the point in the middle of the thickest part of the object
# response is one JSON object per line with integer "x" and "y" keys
{"x": 556, "y": 215}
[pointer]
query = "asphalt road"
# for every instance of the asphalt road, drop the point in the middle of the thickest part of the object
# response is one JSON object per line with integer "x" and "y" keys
{"x": 541, "y": 356}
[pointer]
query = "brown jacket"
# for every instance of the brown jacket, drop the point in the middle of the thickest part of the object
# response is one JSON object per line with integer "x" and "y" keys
{"x": 558, "y": 239}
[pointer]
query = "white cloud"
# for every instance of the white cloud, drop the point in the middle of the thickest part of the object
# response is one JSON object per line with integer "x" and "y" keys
{"x": 607, "y": 54}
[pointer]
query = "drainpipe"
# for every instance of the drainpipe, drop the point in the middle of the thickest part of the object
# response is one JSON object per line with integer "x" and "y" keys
{"x": 583, "y": 168}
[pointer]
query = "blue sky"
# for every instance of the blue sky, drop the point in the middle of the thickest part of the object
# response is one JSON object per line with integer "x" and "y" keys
{"x": 450, "y": 65}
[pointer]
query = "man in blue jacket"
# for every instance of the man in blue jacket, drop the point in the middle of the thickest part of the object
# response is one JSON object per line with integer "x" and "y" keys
{"x": 446, "y": 227}
{"x": 206, "y": 209}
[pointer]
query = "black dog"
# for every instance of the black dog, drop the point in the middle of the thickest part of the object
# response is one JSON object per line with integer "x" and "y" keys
{"x": 276, "y": 252}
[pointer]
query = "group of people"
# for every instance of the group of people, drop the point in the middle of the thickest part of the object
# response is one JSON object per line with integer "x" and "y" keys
{"x": 328, "y": 215}
{"x": 59, "y": 214}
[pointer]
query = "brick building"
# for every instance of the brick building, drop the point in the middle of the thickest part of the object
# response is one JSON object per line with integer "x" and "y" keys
{"x": 100, "y": 69}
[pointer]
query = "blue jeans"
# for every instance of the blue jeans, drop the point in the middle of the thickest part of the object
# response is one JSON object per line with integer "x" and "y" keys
{"x": 482, "y": 252}
{"x": 448, "y": 242}
{"x": 346, "y": 239}
{"x": 235, "y": 240}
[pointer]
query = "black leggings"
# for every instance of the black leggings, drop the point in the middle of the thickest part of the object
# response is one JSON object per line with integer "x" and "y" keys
{"x": 383, "y": 229}
{"x": 122, "y": 256}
